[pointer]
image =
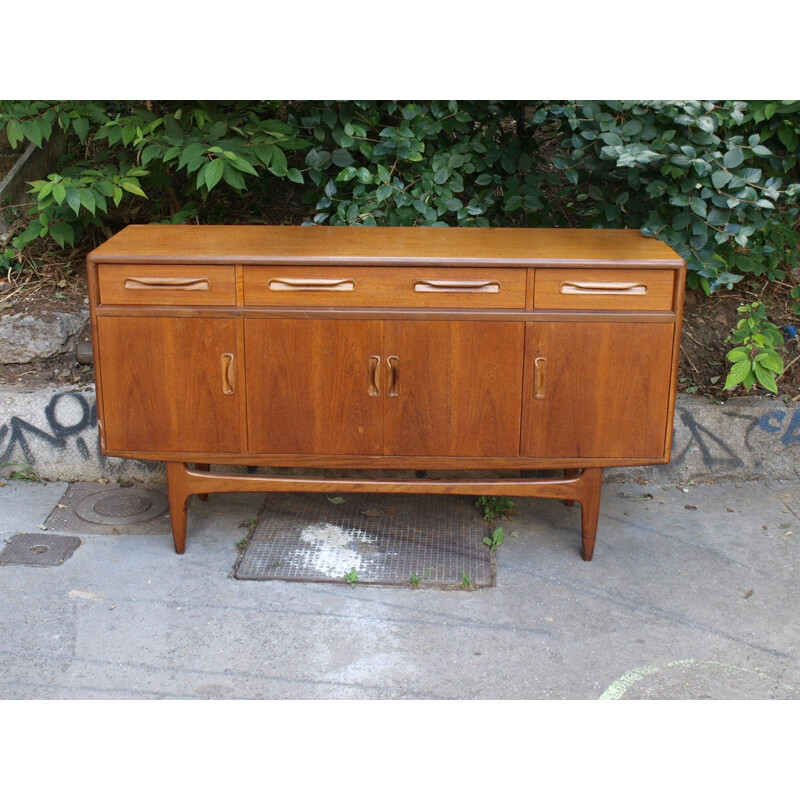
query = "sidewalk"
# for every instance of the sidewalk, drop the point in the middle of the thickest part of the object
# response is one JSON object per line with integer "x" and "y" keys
{"x": 693, "y": 593}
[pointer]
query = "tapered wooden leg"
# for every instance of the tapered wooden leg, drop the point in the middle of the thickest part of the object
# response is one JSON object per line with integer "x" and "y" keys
{"x": 203, "y": 468}
{"x": 590, "y": 510}
{"x": 571, "y": 473}
{"x": 178, "y": 495}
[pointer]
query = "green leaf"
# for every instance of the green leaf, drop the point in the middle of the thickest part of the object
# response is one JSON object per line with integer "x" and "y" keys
{"x": 760, "y": 150}
{"x": 294, "y": 175}
{"x": 28, "y": 235}
{"x": 347, "y": 174}
{"x": 81, "y": 128}
{"x": 737, "y": 354}
{"x": 279, "y": 165}
{"x": 765, "y": 378}
{"x": 739, "y": 372}
{"x": 132, "y": 188}
{"x": 192, "y": 155}
{"x": 32, "y": 131}
{"x": 73, "y": 199}
{"x": 788, "y": 137}
{"x": 87, "y": 200}
{"x": 63, "y": 233}
{"x": 733, "y": 157}
{"x": 720, "y": 178}
{"x": 364, "y": 175}
{"x": 59, "y": 193}
{"x": 233, "y": 177}
{"x": 342, "y": 158}
{"x": 769, "y": 360}
{"x": 698, "y": 206}
{"x": 15, "y": 135}
{"x": 213, "y": 173}
{"x": 239, "y": 163}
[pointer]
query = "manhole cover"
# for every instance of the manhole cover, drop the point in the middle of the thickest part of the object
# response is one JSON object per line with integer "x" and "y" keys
{"x": 123, "y": 506}
{"x": 402, "y": 540}
{"x": 39, "y": 549}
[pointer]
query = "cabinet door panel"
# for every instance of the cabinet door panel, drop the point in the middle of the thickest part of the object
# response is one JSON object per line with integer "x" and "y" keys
{"x": 313, "y": 386}
{"x": 169, "y": 384}
{"x": 453, "y": 388}
{"x": 596, "y": 389}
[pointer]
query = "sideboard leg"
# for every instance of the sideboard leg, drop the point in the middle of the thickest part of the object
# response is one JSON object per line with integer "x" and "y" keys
{"x": 203, "y": 468}
{"x": 176, "y": 491}
{"x": 590, "y": 510}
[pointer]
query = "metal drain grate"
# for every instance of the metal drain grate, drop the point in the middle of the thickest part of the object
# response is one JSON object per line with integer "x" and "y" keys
{"x": 39, "y": 549}
{"x": 91, "y": 508}
{"x": 385, "y": 539}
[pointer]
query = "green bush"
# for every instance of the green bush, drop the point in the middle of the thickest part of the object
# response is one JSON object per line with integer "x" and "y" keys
{"x": 717, "y": 180}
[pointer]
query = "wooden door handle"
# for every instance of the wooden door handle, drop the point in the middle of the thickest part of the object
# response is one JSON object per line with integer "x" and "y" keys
{"x": 180, "y": 284}
{"x": 489, "y": 287}
{"x": 312, "y": 285}
{"x": 228, "y": 373}
{"x": 539, "y": 377}
{"x": 373, "y": 376}
{"x": 394, "y": 376}
{"x": 602, "y": 287}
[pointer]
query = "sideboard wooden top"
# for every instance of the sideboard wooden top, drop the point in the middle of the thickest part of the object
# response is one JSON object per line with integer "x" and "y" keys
{"x": 381, "y": 246}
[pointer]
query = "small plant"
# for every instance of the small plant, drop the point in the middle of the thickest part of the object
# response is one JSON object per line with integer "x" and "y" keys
{"x": 494, "y": 507}
{"x": 24, "y": 472}
{"x": 415, "y": 579}
{"x": 754, "y": 358}
{"x": 351, "y": 577}
{"x": 466, "y": 581}
{"x": 495, "y": 540}
{"x": 241, "y": 544}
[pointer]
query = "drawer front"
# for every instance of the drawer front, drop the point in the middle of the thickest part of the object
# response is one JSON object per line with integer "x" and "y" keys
{"x": 179, "y": 285}
{"x": 604, "y": 289}
{"x": 395, "y": 287}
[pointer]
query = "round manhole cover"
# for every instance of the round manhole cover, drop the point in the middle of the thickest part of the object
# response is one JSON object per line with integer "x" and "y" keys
{"x": 124, "y": 506}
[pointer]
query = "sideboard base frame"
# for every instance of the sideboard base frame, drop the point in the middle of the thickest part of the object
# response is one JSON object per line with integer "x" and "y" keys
{"x": 584, "y": 486}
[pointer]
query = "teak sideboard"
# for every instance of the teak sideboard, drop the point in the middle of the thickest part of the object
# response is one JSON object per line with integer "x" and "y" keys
{"x": 474, "y": 350}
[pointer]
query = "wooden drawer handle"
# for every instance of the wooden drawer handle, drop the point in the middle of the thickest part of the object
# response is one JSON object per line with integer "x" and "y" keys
{"x": 602, "y": 287}
{"x": 182, "y": 284}
{"x": 394, "y": 376}
{"x": 539, "y": 377}
{"x": 312, "y": 285}
{"x": 373, "y": 376}
{"x": 228, "y": 373}
{"x": 486, "y": 287}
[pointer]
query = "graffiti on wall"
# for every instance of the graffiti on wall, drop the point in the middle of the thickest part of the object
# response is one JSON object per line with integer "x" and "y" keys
{"x": 748, "y": 434}
{"x": 70, "y": 419}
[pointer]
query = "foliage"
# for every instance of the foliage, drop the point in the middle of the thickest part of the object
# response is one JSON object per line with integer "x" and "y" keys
{"x": 495, "y": 540}
{"x": 494, "y": 507}
{"x": 351, "y": 577}
{"x": 714, "y": 179}
{"x": 754, "y": 358}
{"x": 176, "y": 152}
{"x": 414, "y": 579}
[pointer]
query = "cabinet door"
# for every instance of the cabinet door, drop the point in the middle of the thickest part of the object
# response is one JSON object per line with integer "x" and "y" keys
{"x": 597, "y": 389}
{"x": 453, "y": 388}
{"x": 314, "y": 386}
{"x": 169, "y": 385}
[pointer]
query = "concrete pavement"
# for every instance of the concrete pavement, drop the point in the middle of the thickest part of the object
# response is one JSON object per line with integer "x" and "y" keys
{"x": 692, "y": 594}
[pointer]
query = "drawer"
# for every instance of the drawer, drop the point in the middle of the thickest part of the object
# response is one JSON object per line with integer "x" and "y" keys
{"x": 604, "y": 289}
{"x": 179, "y": 285}
{"x": 393, "y": 287}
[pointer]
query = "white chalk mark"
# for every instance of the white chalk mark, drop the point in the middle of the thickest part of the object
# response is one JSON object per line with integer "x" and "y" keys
{"x": 618, "y": 688}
